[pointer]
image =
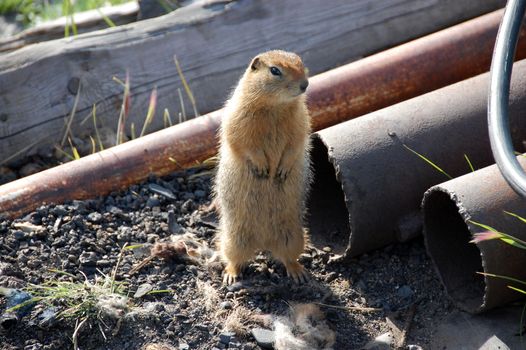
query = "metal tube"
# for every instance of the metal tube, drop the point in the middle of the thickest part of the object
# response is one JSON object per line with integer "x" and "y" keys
{"x": 360, "y": 87}
{"x": 501, "y": 68}
{"x": 449, "y": 209}
{"x": 368, "y": 187}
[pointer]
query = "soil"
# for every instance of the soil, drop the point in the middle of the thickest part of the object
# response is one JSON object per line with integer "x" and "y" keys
{"x": 195, "y": 311}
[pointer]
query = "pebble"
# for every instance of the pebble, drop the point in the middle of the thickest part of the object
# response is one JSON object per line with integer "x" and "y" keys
{"x": 404, "y": 292}
{"x": 263, "y": 337}
{"x": 19, "y": 235}
{"x": 184, "y": 346}
{"x": 153, "y": 202}
{"x": 162, "y": 191}
{"x": 94, "y": 217}
{"x": 226, "y": 305}
{"x": 235, "y": 287}
{"x": 88, "y": 259}
{"x": 103, "y": 263}
{"x": 226, "y": 337}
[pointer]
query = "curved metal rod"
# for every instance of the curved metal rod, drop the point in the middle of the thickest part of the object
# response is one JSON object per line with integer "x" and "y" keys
{"x": 498, "y": 118}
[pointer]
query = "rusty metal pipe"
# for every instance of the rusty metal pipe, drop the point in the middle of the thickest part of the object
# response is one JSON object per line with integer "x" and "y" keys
{"x": 482, "y": 197}
{"x": 388, "y": 77}
{"x": 406, "y": 71}
{"x": 368, "y": 187}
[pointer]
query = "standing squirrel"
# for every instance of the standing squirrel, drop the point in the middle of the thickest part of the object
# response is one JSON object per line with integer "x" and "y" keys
{"x": 264, "y": 169}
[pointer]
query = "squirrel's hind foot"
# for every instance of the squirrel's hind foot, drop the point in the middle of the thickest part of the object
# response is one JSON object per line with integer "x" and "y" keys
{"x": 296, "y": 271}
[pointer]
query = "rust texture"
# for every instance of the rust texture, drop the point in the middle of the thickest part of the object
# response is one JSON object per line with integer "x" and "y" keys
{"x": 368, "y": 183}
{"x": 449, "y": 212}
{"x": 360, "y": 87}
{"x": 406, "y": 71}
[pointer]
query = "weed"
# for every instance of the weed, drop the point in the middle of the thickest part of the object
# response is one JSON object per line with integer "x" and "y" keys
{"x": 428, "y": 161}
{"x": 151, "y": 111}
{"x": 125, "y": 108}
{"x": 491, "y": 234}
{"x": 186, "y": 86}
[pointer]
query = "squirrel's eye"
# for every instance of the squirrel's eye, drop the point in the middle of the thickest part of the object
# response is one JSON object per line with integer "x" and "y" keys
{"x": 275, "y": 71}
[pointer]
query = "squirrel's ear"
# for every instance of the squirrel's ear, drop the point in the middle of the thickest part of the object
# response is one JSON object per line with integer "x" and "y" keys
{"x": 254, "y": 64}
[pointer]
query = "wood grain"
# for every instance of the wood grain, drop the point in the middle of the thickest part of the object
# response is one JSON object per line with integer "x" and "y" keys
{"x": 213, "y": 40}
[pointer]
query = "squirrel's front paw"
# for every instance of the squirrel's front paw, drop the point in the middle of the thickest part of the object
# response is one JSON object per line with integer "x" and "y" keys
{"x": 261, "y": 172}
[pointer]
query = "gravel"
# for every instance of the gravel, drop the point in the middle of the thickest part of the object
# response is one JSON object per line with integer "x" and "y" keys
{"x": 85, "y": 238}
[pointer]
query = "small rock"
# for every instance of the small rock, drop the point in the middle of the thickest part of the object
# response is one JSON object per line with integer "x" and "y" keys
{"x": 153, "y": 202}
{"x": 235, "y": 287}
{"x": 19, "y": 235}
{"x": 331, "y": 276}
{"x": 184, "y": 346}
{"x": 226, "y": 305}
{"x": 48, "y": 318}
{"x": 263, "y": 337}
{"x": 103, "y": 263}
{"x": 327, "y": 249}
{"x": 95, "y": 217}
{"x": 34, "y": 263}
{"x": 162, "y": 191}
{"x": 414, "y": 347}
{"x": 88, "y": 259}
{"x": 382, "y": 342}
{"x": 59, "y": 210}
{"x": 143, "y": 290}
{"x": 193, "y": 269}
{"x": 173, "y": 226}
{"x": 404, "y": 292}
{"x": 29, "y": 169}
{"x": 226, "y": 337}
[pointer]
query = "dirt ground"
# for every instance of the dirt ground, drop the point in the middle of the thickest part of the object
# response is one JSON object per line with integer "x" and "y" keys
{"x": 193, "y": 309}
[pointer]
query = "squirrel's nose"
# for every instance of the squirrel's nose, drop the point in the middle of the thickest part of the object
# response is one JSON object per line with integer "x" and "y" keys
{"x": 303, "y": 85}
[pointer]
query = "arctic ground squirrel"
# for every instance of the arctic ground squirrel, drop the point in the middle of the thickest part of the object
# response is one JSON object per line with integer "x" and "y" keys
{"x": 264, "y": 169}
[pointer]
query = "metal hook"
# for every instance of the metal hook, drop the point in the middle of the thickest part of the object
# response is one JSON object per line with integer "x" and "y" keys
{"x": 498, "y": 99}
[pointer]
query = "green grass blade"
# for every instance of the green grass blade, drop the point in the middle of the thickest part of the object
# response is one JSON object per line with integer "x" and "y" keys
{"x": 97, "y": 134}
{"x": 428, "y": 162}
{"x": 158, "y": 291}
{"x": 486, "y": 227}
{"x": 186, "y": 86}
{"x": 166, "y": 118}
{"x": 106, "y": 19}
{"x": 71, "y": 116}
{"x": 517, "y": 289}
{"x": 131, "y": 247}
{"x": 511, "y": 240}
{"x": 503, "y": 277}
{"x": 469, "y": 163}
{"x": 516, "y": 216}
{"x": 64, "y": 153}
{"x": 151, "y": 111}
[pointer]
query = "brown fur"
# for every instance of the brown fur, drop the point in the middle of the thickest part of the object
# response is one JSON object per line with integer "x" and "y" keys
{"x": 263, "y": 170}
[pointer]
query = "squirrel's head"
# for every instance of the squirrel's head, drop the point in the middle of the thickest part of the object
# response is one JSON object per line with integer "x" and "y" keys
{"x": 277, "y": 74}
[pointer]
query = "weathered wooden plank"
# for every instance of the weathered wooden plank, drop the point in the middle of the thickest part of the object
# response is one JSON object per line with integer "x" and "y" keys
{"x": 213, "y": 40}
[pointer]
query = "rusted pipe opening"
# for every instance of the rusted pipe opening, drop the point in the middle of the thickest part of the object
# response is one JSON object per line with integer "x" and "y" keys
{"x": 456, "y": 260}
{"x": 327, "y": 197}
